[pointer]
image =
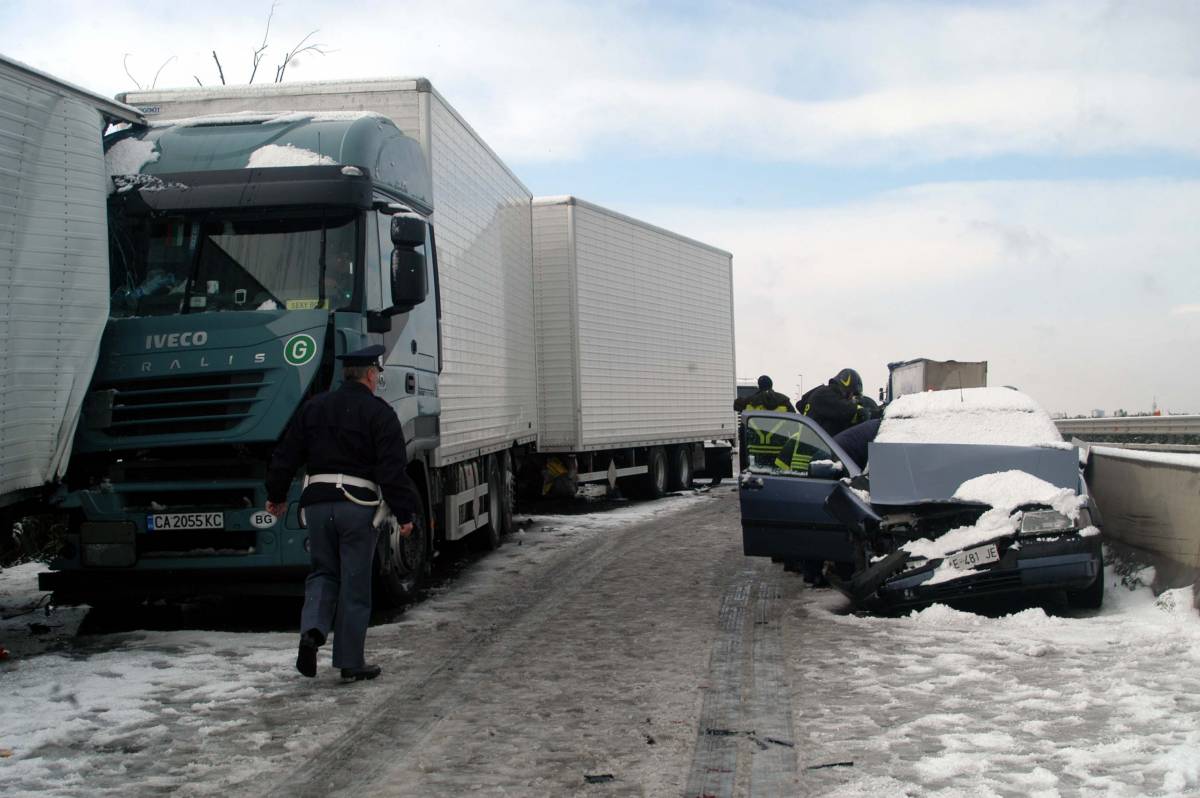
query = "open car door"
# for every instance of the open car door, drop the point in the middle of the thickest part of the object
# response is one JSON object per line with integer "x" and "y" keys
{"x": 793, "y": 466}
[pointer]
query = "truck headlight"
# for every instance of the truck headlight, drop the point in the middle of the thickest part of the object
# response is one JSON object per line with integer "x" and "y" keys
{"x": 1039, "y": 522}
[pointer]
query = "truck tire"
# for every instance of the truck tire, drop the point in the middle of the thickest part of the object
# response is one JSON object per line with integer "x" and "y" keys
{"x": 508, "y": 498}
{"x": 653, "y": 484}
{"x": 680, "y": 471}
{"x": 401, "y": 564}
{"x": 487, "y": 537}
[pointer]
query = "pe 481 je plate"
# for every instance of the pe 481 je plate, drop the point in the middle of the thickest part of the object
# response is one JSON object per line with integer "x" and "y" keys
{"x": 970, "y": 558}
{"x": 163, "y": 521}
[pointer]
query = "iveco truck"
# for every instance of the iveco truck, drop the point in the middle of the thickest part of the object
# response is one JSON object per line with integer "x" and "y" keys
{"x": 256, "y": 233}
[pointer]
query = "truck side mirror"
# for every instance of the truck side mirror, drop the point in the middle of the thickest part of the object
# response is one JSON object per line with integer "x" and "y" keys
{"x": 409, "y": 286}
{"x": 408, "y": 232}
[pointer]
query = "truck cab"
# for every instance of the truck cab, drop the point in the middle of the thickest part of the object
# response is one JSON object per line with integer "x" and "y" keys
{"x": 246, "y": 254}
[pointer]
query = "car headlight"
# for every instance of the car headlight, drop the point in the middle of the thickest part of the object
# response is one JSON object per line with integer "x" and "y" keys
{"x": 1039, "y": 522}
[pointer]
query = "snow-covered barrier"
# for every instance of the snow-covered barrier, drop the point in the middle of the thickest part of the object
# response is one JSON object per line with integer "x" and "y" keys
{"x": 1150, "y": 501}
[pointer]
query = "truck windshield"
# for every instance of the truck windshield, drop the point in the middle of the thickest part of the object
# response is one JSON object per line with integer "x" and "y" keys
{"x": 200, "y": 263}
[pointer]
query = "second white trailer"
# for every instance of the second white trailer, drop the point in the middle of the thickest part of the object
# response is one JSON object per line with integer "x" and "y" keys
{"x": 635, "y": 345}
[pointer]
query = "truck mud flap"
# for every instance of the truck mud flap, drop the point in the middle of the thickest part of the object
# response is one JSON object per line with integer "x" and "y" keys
{"x": 861, "y": 588}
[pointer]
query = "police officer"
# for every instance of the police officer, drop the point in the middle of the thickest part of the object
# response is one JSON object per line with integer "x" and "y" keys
{"x": 837, "y": 404}
{"x": 353, "y": 447}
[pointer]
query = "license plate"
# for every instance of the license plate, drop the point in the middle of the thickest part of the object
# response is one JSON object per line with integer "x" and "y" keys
{"x": 164, "y": 521}
{"x": 971, "y": 558}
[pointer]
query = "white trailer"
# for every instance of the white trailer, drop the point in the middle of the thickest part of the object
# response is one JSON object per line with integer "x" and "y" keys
{"x": 484, "y": 246}
{"x": 634, "y": 342}
{"x": 923, "y": 374}
{"x": 54, "y": 284}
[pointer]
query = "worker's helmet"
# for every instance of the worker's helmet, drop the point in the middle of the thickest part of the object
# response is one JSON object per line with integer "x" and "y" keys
{"x": 850, "y": 382}
{"x": 765, "y": 383}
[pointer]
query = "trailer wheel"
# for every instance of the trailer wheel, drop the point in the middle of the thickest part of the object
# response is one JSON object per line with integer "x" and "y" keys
{"x": 654, "y": 481}
{"x": 401, "y": 564}
{"x": 488, "y": 537}
{"x": 681, "y": 469}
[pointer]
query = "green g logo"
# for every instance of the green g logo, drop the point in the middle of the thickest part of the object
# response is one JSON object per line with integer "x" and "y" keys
{"x": 299, "y": 349}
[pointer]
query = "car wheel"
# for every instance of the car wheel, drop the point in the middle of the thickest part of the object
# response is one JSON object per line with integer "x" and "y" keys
{"x": 1090, "y": 597}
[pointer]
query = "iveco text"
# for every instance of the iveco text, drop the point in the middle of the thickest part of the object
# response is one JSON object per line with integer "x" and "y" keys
{"x": 197, "y": 338}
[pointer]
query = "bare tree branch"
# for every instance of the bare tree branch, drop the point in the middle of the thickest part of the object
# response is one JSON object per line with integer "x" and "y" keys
{"x": 160, "y": 69}
{"x": 220, "y": 71}
{"x": 300, "y": 47}
{"x": 262, "y": 48}
{"x": 125, "y": 63}
{"x": 198, "y": 83}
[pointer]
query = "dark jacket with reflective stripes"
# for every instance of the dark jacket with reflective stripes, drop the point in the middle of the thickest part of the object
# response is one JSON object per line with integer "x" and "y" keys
{"x": 826, "y": 405}
{"x": 765, "y": 400}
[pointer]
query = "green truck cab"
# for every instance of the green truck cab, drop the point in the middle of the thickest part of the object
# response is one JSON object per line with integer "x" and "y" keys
{"x": 245, "y": 255}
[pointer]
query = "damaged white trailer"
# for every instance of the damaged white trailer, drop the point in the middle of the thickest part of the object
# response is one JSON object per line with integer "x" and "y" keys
{"x": 54, "y": 284}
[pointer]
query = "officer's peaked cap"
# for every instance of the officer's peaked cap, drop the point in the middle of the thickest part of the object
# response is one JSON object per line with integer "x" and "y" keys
{"x": 367, "y": 356}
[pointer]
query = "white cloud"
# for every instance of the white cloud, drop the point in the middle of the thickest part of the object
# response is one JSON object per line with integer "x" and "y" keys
{"x": 858, "y": 83}
{"x": 1065, "y": 288}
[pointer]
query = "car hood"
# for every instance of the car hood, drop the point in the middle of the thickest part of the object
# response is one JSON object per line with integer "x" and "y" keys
{"x": 917, "y": 473}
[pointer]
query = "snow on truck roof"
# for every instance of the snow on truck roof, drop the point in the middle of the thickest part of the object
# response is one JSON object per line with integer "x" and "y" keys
{"x": 998, "y": 416}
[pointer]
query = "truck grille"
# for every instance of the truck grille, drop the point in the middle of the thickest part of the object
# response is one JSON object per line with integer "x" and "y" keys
{"x": 175, "y": 405}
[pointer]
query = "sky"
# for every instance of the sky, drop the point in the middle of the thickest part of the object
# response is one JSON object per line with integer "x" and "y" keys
{"x": 1012, "y": 182}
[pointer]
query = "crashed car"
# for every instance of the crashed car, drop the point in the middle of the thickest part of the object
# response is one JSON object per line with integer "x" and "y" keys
{"x": 966, "y": 493}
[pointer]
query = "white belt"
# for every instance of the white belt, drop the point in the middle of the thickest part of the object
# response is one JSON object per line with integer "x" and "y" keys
{"x": 340, "y": 480}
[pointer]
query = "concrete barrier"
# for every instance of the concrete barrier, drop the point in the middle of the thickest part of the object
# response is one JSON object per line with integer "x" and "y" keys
{"x": 1151, "y": 501}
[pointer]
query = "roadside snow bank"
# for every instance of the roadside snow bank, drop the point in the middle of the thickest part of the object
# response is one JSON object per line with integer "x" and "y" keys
{"x": 1162, "y": 458}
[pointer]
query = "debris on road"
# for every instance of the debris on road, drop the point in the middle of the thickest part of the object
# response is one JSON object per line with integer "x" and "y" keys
{"x": 831, "y": 765}
{"x": 599, "y": 778}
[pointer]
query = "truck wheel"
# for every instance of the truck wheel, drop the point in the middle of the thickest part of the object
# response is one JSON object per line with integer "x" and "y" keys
{"x": 508, "y": 496}
{"x": 681, "y": 469}
{"x": 654, "y": 481}
{"x": 401, "y": 564}
{"x": 488, "y": 537}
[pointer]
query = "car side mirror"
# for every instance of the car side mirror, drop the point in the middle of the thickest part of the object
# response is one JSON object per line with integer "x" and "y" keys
{"x": 825, "y": 469}
{"x": 409, "y": 286}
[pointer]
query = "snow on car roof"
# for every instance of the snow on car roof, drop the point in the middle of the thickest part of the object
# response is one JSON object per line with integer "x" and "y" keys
{"x": 999, "y": 416}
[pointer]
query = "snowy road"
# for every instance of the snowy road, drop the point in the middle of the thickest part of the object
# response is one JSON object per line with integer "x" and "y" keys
{"x": 636, "y": 647}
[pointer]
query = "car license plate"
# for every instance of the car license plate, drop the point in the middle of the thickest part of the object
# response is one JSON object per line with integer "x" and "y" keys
{"x": 971, "y": 558}
{"x": 164, "y": 521}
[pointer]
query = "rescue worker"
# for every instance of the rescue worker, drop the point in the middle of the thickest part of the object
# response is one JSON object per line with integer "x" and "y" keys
{"x": 762, "y": 443}
{"x": 855, "y": 441}
{"x": 353, "y": 447}
{"x": 836, "y": 405}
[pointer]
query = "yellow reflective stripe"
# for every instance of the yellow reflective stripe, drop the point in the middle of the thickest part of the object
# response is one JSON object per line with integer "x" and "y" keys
{"x": 800, "y": 462}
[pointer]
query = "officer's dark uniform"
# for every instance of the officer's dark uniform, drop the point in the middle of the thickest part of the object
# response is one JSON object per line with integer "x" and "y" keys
{"x": 855, "y": 441}
{"x": 833, "y": 406}
{"x": 350, "y": 432}
{"x": 761, "y": 444}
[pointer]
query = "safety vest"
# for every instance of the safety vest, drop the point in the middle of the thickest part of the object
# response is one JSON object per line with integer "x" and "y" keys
{"x": 797, "y": 462}
{"x": 761, "y": 442}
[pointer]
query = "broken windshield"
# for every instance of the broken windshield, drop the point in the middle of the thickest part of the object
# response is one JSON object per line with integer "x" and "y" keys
{"x": 173, "y": 264}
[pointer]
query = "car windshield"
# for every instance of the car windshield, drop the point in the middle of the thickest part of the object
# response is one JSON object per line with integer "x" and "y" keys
{"x": 173, "y": 264}
{"x": 998, "y": 416}
{"x": 783, "y": 446}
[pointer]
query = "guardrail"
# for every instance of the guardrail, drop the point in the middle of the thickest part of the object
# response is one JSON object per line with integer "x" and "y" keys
{"x": 1152, "y": 426}
{"x": 1150, "y": 501}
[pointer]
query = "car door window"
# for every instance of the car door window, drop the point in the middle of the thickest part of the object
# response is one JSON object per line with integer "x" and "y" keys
{"x": 783, "y": 446}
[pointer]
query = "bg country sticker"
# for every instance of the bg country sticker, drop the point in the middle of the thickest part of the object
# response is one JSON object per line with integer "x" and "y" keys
{"x": 299, "y": 349}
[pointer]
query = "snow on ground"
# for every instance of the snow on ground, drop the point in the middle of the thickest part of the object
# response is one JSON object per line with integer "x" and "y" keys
{"x": 998, "y": 416}
{"x": 949, "y": 703}
{"x": 75, "y": 707}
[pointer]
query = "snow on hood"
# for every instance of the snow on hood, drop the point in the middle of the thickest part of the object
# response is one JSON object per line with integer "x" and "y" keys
{"x": 286, "y": 155}
{"x": 999, "y": 416}
{"x": 1003, "y": 492}
{"x": 127, "y": 157}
